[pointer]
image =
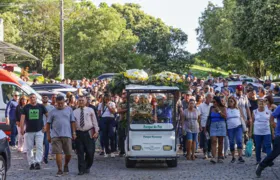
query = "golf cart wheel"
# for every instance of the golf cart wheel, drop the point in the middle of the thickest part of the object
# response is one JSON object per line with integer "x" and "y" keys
{"x": 3, "y": 168}
{"x": 130, "y": 163}
{"x": 172, "y": 163}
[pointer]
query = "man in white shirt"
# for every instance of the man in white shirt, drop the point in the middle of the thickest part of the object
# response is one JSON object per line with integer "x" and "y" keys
{"x": 204, "y": 110}
{"x": 87, "y": 130}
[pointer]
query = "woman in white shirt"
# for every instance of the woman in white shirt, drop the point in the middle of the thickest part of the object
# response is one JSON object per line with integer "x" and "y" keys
{"x": 234, "y": 128}
{"x": 106, "y": 112}
{"x": 262, "y": 131}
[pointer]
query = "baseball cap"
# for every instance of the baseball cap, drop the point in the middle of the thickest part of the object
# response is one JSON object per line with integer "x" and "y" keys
{"x": 189, "y": 93}
{"x": 239, "y": 87}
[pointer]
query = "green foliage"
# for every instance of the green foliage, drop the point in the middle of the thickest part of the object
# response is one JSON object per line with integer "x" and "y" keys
{"x": 165, "y": 45}
{"x": 215, "y": 37}
{"x": 256, "y": 32}
{"x": 97, "y": 39}
{"x": 241, "y": 35}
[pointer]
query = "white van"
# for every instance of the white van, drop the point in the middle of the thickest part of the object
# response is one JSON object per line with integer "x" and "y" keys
{"x": 10, "y": 83}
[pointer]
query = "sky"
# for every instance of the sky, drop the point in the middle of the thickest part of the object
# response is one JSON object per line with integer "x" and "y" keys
{"x": 181, "y": 14}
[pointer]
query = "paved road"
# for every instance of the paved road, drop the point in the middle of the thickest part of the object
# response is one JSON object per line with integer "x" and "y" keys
{"x": 107, "y": 169}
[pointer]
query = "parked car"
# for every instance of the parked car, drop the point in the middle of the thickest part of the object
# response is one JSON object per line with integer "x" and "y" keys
{"x": 106, "y": 76}
{"x": 49, "y": 87}
{"x": 5, "y": 155}
{"x": 50, "y": 94}
{"x": 276, "y": 100}
{"x": 233, "y": 84}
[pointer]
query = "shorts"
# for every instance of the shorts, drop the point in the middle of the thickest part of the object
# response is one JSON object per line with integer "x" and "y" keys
{"x": 191, "y": 136}
{"x": 62, "y": 145}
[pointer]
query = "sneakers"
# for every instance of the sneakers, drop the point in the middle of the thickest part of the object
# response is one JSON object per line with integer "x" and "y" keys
{"x": 241, "y": 160}
{"x": 106, "y": 155}
{"x": 37, "y": 166}
{"x": 59, "y": 174}
{"x": 233, "y": 160}
{"x": 259, "y": 170}
{"x": 66, "y": 170}
{"x": 101, "y": 153}
{"x": 32, "y": 167}
{"x": 205, "y": 157}
{"x": 112, "y": 155}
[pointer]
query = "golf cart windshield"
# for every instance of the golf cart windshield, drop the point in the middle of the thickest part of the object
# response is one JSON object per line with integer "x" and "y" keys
{"x": 151, "y": 111}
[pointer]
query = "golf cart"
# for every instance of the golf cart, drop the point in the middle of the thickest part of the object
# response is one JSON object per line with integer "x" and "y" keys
{"x": 151, "y": 124}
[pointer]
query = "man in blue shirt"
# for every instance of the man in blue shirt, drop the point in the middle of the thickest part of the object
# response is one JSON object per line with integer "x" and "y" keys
{"x": 10, "y": 115}
{"x": 268, "y": 161}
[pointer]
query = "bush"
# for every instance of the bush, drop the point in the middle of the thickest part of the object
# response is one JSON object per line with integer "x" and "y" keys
{"x": 40, "y": 79}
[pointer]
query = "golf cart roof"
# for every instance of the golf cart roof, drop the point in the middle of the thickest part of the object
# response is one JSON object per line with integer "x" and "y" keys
{"x": 150, "y": 87}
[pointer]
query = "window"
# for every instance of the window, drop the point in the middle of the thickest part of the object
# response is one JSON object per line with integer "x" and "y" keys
{"x": 8, "y": 90}
{"x": 156, "y": 109}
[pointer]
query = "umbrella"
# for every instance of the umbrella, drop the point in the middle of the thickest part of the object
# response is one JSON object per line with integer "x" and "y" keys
{"x": 7, "y": 49}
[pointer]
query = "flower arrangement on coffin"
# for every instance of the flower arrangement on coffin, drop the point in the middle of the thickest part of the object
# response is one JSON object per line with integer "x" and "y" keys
{"x": 132, "y": 76}
{"x": 167, "y": 78}
{"x": 142, "y": 111}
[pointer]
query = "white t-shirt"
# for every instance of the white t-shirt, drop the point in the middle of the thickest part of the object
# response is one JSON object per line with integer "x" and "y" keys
{"x": 107, "y": 113}
{"x": 261, "y": 123}
{"x": 204, "y": 110}
{"x": 233, "y": 118}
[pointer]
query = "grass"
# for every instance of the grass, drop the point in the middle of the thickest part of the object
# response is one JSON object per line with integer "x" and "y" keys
{"x": 202, "y": 72}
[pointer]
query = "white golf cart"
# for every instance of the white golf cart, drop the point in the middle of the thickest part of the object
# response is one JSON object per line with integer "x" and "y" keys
{"x": 151, "y": 121}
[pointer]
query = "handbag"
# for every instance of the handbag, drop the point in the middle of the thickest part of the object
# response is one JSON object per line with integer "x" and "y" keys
{"x": 249, "y": 148}
{"x": 242, "y": 120}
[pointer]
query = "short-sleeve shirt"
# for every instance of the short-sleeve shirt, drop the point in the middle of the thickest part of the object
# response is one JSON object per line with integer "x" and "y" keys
{"x": 49, "y": 108}
{"x": 107, "y": 112}
{"x": 276, "y": 114}
{"x": 243, "y": 104}
{"x": 204, "y": 110}
{"x": 34, "y": 117}
{"x": 191, "y": 121}
{"x": 61, "y": 122}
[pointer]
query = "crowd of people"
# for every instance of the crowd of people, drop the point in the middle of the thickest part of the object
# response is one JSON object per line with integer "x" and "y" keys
{"x": 215, "y": 121}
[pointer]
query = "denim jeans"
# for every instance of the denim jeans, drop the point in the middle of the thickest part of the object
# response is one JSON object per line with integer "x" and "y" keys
{"x": 121, "y": 139}
{"x": 235, "y": 136}
{"x": 264, "y": 140}
{"x": 192, "y": 136}
{"x": 273, "y": 155}
{"x": 47, "y": 146}
{"x": 38, "y": 137}
{"x": 205, "y": 143}
{"x": 109, "y": 134}
{"x": 14, "y": 132}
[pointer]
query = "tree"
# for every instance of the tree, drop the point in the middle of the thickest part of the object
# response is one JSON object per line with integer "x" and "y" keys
{"x": 215, "y": 38}
{"x": 164, "y": 44}
{"x": 97, "y": 42}
{"x": 11, "y": 31}
{"x": 256, "y": 32}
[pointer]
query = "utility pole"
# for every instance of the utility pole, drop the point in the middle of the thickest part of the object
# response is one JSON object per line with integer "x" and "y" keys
{"x": 61, "y": 67}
